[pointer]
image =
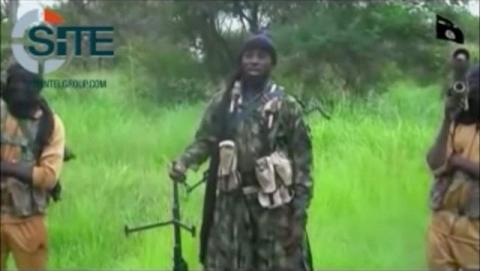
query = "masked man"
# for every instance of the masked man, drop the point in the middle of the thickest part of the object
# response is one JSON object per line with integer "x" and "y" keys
{"x": 453, "y": 235}
{"x": 32, "y": 149}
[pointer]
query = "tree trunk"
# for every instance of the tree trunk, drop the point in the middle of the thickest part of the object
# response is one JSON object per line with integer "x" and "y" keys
{"x": 11, "y": 12}
{"x": 254, "y": 15}
{"x": 12, "y": 9}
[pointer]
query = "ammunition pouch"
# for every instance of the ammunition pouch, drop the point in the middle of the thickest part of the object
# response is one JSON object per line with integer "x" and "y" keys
{"x": 228, "y": 177}
{"x": 458, "y": 193}
{"x": 274, "y": 176}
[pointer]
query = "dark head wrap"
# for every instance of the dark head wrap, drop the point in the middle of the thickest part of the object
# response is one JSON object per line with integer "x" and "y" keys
{"x": 261, "y": 41}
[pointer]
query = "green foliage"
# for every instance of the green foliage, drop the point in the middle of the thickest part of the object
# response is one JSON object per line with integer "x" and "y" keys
{"x": 371, "y": 184}
{"x": 163, "y": 72}
{"x": 6, "y": 29}
{"x": 327, "y": 49}
{"x": 370, "y": 180}
{"x": 378, "y": 45}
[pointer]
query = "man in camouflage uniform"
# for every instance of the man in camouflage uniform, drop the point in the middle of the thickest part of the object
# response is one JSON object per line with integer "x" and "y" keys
{"x": 256, "y": 224}
{"x": 32, "y": 151}
{"x": 453, "y": 234}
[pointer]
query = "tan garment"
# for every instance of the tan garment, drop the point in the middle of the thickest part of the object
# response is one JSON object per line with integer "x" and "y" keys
{"x": 26, "y": 240}
{"x": 453, "y": 239}
{"x": 46, "y": 172}
{"x": 26, "y": 237}
{"x": 453, "y": 242}
{"x": 465, "y": 141}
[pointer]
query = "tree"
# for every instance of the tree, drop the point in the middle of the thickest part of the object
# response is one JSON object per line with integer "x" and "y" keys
{"x": 357, "y": 46}
{"x": 8, "y": 17}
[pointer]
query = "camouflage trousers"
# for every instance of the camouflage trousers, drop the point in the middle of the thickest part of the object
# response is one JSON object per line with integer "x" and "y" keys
{"x": 247, "y": 237}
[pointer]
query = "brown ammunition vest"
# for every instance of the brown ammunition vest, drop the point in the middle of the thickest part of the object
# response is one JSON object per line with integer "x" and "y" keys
{"x": 18, "y": 143}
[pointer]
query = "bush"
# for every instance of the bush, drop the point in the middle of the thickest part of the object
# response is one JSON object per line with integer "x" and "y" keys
{"x": 163, "y": 72}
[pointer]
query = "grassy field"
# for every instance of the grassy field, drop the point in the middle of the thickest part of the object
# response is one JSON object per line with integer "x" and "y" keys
{"x": 371, "y": 183}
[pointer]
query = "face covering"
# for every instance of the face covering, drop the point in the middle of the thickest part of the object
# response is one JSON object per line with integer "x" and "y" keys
{"x": 21, "y": 101}
{"x": 22, "y": 110}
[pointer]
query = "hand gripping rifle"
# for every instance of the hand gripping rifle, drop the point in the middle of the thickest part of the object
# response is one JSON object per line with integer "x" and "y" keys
{"x": 179, "y": 263}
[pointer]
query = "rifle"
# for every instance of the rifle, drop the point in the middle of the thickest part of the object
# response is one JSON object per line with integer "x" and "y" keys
{"x": 312, "y": 106}
{"x": 459, "y": 88}
{"x": 179, "y": 263}
{"x": 68, "y": 154}
{"x": 197, "y": 184}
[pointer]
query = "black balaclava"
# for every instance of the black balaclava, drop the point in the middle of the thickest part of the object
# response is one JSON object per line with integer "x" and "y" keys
{"x": 22, "y": 93}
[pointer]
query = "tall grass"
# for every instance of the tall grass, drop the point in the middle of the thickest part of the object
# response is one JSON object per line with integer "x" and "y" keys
{"x": 371, "y": 183}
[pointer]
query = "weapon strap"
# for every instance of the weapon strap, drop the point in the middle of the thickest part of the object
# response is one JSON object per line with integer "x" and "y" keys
{"x": 211, "y": 183}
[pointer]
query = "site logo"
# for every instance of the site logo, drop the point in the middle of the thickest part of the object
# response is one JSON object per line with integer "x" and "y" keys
{"x": 46, "y": 39}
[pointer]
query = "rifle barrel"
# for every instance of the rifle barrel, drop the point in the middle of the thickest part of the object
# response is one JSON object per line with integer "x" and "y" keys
{"x": 190, "y": 189}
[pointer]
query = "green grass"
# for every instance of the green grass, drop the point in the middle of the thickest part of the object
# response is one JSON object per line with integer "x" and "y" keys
{"x": 371, "y": 184}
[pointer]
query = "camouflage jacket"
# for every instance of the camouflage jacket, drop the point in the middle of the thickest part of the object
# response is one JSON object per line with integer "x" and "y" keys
{"x": 254, "y": 140}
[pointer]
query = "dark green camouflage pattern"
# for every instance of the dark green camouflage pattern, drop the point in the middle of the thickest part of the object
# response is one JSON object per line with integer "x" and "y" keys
{"x": 245, "y": 236}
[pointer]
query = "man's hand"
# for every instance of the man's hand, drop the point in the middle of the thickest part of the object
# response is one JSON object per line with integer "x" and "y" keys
{"x": 6, "y": 168}
{"x": 448, "y": 167}
{"x": 20, "y": 171}
{"x": 456, "y": 161}
{"x": 177, "y": 171}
